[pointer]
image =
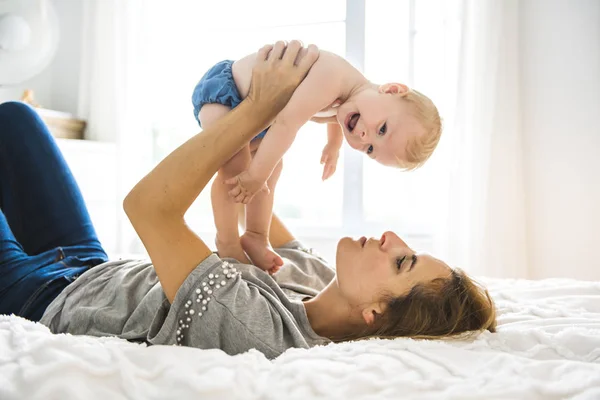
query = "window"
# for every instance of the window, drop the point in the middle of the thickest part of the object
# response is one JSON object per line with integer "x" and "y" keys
{"x": 402, "y": 41}
{"x": 414, "y": 42}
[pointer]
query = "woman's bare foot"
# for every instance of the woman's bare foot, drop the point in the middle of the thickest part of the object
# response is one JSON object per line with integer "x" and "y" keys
{"x": 231, "y": 250}
{"x": 260, "y": 252}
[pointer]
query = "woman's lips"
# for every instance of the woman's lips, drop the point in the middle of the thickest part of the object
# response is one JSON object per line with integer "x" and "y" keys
{"x": 362, "y": 241}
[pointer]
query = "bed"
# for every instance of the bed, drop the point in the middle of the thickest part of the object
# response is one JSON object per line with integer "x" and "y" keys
{"x": 547, "y": 347}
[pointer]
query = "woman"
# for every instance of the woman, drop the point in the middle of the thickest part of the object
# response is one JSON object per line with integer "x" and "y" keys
{"x": 54, "y": 270}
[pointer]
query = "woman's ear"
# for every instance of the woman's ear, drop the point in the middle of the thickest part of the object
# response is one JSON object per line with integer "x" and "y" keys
{"x": 372, "y": 313}
{"x": 394, "y": 88}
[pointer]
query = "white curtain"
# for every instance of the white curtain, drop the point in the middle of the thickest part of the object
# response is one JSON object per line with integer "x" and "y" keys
{"x": 486, "y": 228}
{"x": 113, "y": 92}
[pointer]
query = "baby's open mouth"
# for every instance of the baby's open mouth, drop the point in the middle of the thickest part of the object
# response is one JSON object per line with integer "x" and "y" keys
{"x": 352, "y": 120}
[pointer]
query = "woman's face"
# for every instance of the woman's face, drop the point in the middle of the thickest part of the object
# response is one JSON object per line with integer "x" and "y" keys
{"x": 368, "y": 269}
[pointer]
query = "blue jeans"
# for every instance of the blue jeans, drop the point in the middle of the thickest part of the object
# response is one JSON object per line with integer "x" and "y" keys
{"x": 46, "y": 235}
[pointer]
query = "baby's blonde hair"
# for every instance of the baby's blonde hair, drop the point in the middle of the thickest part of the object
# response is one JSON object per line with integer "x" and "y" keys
{"x": 421, "y": 146}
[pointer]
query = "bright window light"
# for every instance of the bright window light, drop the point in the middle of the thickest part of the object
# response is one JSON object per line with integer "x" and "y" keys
{"x": 409, "y": 41}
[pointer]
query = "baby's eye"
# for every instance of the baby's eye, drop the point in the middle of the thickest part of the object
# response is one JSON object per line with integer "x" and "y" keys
{"x": 370, "y": 149}
{"x": 383, "y": 130}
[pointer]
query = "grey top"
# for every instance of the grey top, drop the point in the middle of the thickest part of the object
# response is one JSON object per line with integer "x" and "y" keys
{"x": 222, "y": 304}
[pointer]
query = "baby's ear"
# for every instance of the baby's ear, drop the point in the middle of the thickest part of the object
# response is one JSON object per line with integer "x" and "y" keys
{"x": 394, "y": 88}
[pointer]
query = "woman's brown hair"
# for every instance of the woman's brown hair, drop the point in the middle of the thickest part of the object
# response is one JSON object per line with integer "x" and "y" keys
{"x": 441, "y": 308}
{"x": 444, "y": 307}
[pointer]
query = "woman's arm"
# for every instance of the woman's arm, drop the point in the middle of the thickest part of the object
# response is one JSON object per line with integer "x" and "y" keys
{"x": 157, "y": 204}
{"x": 279, "y": 235}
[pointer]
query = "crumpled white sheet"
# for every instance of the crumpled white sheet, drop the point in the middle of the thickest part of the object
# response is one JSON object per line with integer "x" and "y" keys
{"x": 547, "y": 347}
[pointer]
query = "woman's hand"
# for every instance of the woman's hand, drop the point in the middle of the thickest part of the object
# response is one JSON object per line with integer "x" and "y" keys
{"x": 278, "y": 72}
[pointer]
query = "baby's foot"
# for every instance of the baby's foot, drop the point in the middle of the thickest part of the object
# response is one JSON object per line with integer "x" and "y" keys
{"x": 232, "y": 250}
{"x": 260, "y": 252}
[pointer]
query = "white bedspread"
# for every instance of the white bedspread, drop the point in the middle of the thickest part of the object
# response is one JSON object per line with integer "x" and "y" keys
{"x": 547, "y": 347}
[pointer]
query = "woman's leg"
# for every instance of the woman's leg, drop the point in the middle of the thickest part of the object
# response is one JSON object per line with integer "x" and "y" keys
{"x": 29, "y": 283}
{"x": 10, "y": 248}
{"x": 38, "y": 193}
{"x": 46, "y": 237}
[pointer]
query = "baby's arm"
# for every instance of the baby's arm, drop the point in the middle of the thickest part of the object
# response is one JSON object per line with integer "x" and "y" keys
{"x": 331, "y": 152}
{"x": 320, "y": 88}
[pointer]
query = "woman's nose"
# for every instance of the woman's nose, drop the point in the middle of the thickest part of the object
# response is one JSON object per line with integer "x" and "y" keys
{"x": 389, "y": 239}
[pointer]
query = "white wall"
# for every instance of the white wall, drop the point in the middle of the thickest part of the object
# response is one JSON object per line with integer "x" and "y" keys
{"x": 560, "y": 82}
{"x": 67, "y": 62}
{"x": 57, "y": 87}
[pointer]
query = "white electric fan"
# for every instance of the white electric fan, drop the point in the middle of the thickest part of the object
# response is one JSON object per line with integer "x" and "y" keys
{"x": 28, "y": 39}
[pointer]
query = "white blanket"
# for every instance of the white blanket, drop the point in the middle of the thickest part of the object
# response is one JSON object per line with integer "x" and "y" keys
{"x": 547, "y": 347}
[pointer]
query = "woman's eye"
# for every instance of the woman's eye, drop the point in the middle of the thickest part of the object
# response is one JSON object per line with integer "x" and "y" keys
{"x": 370, "y": 149}
{"x": 383, "y": 130}
{"x": 399, "y": 262}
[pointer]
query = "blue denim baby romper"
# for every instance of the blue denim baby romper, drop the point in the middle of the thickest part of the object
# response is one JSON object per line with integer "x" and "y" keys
{"x": 218, "y": 86}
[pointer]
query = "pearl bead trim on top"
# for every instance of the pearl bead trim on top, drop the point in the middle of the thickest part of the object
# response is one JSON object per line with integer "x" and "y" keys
{"x": 196, "y": 307}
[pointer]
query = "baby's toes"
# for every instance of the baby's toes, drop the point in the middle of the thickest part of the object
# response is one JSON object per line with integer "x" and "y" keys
{"x": 274, "y": 270}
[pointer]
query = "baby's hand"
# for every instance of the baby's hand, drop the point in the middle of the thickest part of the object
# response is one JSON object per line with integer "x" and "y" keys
{"x": 246, "y": 187}
{"x": 329, "y": 158}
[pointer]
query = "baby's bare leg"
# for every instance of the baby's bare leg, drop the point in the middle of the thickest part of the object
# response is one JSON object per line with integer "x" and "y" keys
{"x": 224, "y": 209}
{"x": 255, "y": 241}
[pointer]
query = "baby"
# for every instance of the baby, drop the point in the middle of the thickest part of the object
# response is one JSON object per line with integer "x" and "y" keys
{"x": 391, "y": 123}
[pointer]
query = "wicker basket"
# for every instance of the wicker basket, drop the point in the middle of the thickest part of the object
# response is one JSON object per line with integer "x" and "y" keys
{"x": 62, "y": 125}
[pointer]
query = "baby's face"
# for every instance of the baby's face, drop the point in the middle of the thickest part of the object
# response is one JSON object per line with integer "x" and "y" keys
{"x": 379, "y": 125}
